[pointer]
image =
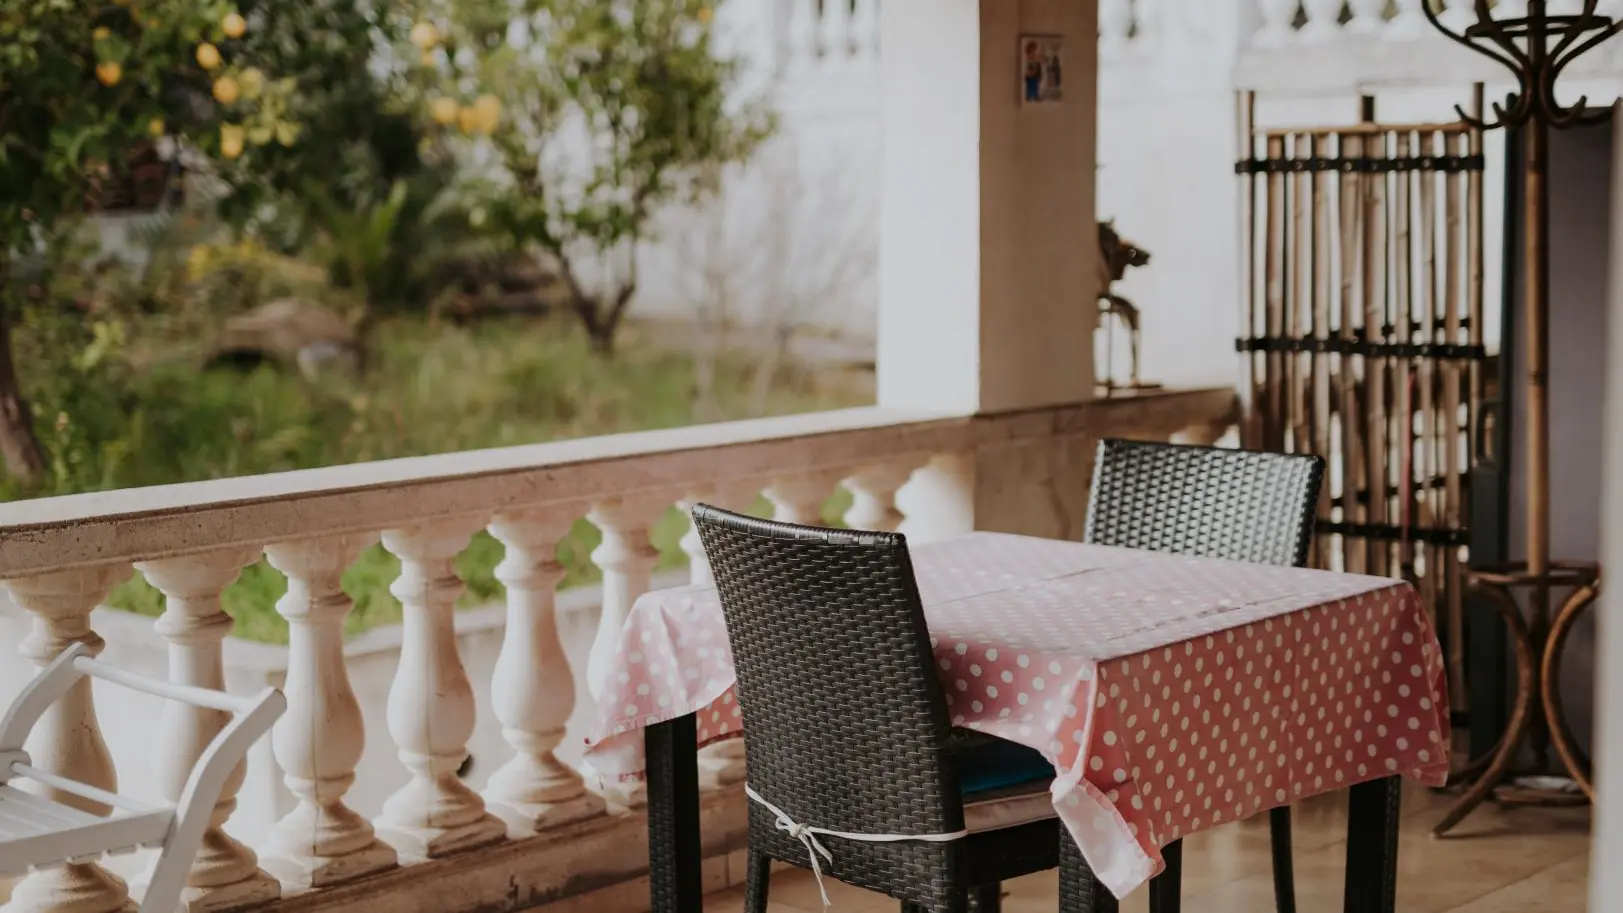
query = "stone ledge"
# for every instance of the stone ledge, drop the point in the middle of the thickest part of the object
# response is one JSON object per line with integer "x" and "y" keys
{"x": 599, "y": 865}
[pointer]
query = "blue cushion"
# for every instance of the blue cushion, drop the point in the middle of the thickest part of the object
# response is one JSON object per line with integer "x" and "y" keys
{"x": 999, "y": 765}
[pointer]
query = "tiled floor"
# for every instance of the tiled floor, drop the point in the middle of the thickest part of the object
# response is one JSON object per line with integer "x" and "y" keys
{"x": 1499, "y": 861}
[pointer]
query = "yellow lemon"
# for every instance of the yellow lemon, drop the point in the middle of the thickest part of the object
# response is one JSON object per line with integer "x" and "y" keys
{"x": 208, "y": 56}
{"x": 109, "y": 72}
{"x": 287, "y": 133}
{"x": 102, "y": 33}
{"x": 253, "y": 83}
{"x": 226, "y": 90}
{"x": 155, "y": 127}
{"x": 488, "y": 109}
{"x": 231, "y": 137}
{"x": 425, "y": 35}
{"x": 234, "y": 25}
{"x": 705, "y": 14}
{"x": 444, "y": 111}
{"x": 468, "y": 120}
{"x": 261, "y": 135}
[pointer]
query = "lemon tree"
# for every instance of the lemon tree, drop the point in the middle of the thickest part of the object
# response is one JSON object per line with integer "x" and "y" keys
{"x": 83, "y": 85}
{"x": 580, "y": 121}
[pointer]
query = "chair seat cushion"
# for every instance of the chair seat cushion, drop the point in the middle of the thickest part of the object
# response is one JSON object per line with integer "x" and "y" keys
{"x": 1004, "y": 785}
{"x": 1010, "y": 806}
{"x": 997, "y": 764}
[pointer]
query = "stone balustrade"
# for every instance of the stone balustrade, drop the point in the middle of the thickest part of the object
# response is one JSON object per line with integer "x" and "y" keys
{"x": 538, "y": 831}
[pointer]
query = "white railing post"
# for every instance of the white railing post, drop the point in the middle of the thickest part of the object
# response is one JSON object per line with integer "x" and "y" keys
{"x": 873, "y": 495}
{"x": 1115, "y": 26}
{"x": 532, "y": 689}
{"x": 1409, "y": 21}
{"x": 1278, "y": 22}
{"x": 865, "y": 29}
{"x": 939, "y": 500}
{"x": 627, "y": 558}
{"x": 67, "y": 740}
{"x": 800, "y": 499}
{"x": 1323, "y": 20}
{"x": 801, "y": 34}
{"x": 834, "y": 31}
{"x": 225, "y": 875}
{"x": 319, "y": 740}
{"x": 431, "y": 709}
{"x": 1368, "y": 16}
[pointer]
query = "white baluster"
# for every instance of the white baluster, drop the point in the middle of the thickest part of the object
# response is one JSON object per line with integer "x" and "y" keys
{"x": 802, "y": 46}
{"x": 939, "y": 500}
{"x": 800, "y": 498}
{"x": 1115, "y": 26}
{"x": 1459, "y": 14}
{"x": 1323, "y": 20}
{"x": 722, "y": 763}
{"x": 67, "y": 740}
{"x": 873, "y": 490}
{"x": 319, "y": 740}
{"x": 225, "y": 875}
{"x": 865, "y": 29}
{"x": 1368, "y": 16}
{"x": 431, "y": 712}
{"x": 834, "y": 32}
{"x": 1409, "y": 20}
{"x": 627, "y": 559}
{"x": 1278, "y": 22}
{"x": 532, "y": 689}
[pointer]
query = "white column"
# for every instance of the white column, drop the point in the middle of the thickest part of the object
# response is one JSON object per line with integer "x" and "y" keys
{"x": 67, "y": 740}
{"x": 532, "y": 689}
{"x": 225, "y": 875}
{"x": 873, "y": 495}
{"x": 1115, "y": 24}
{"x": 987, "y": 229}
{"x": 627, "y": 559}
{"x": 1322, "y": 20}
{"x": 1410, "y": 21}
{"x": 800, "y": 498}
{"x": 431, "y": 712}
{"x": 834, "y": 30}
{"x": 1606, "y": 876}
{"x": 865, "y": 29}
{"x": 1277, "y": 22}
{"x": 801, "y": 34}
{"x": 938, "y": 502}
{"x": 1368, "y": 16}
{"x": 319, "y": 740}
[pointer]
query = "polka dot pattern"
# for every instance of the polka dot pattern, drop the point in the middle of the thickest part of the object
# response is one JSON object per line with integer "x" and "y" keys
{"x": 1171, "y": 693}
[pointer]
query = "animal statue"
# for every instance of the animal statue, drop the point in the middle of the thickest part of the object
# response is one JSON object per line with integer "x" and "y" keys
{"x": 1116, "y": 256}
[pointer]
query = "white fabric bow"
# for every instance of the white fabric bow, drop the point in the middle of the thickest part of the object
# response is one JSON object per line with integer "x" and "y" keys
{"x": 807, "y": 835}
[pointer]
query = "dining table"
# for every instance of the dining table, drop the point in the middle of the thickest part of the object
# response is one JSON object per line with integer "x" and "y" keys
{"x": 1171, "y": 693}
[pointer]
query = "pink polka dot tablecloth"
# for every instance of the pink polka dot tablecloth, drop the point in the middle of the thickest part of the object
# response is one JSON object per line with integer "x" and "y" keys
{"x": 1171, "y": 693}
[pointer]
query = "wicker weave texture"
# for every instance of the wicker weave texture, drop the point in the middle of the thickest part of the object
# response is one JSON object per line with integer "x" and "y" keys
{"x": 1234, "y": 504}
{"x": 848, "y": 729}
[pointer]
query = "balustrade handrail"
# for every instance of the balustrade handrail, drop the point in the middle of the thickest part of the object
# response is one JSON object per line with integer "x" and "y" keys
{"x": 138, "y": 524}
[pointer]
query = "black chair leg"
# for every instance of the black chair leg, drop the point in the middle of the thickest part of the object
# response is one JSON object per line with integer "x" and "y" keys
{"x": 988, "y": 898}
{"x": 1079, "y": 890}
{"x": 1166, "y": 889}
{"x": 757, "y": 882}
{"x": 675, "y": 867}
{"x": 1279, "y": 834}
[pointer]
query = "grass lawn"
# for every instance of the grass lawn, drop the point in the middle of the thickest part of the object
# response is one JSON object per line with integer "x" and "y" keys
{"x": 432, "y": 388}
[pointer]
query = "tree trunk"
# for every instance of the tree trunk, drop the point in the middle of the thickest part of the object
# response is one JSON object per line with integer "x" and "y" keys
{"x": 19, "y": 446}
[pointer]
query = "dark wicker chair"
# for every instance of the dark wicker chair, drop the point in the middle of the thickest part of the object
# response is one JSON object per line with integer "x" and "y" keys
{"x": 1237, "y": 505}
{"x": 848, "y": 727}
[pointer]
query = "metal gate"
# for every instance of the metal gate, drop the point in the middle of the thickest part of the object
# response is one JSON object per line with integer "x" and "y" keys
{"x": 1362, "y": 317}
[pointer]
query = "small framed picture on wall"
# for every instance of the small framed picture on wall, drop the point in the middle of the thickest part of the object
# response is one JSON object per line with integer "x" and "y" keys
{"x": 1042, "y": 69}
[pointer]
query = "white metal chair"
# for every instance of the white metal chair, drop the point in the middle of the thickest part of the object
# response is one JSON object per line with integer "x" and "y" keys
{"x": 37, "y": 832}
